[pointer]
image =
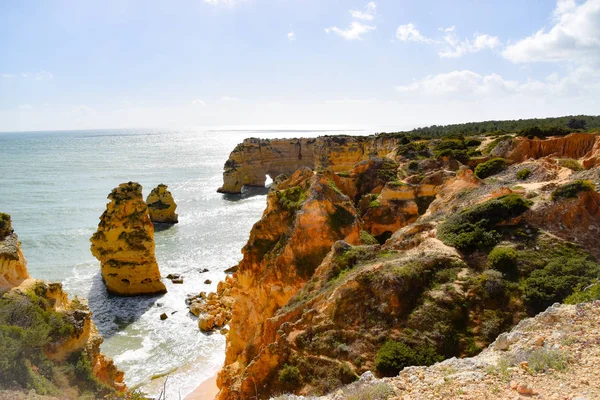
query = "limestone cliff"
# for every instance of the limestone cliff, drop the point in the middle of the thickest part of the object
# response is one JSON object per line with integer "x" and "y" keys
{"x": 459, "y": 260}
{"x": 13, "y": 266}
{"x": 124, "y": 244}
{"x": 251, "y": 161}
{"x": 161, "y": 206}
{"x": 576, "y": 145}
{"x": 49, "y": 343}
{"x": 70, "y": 337}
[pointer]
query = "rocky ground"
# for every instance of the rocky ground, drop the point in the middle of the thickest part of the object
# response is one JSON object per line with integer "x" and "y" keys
{"x": 555, "y": 355}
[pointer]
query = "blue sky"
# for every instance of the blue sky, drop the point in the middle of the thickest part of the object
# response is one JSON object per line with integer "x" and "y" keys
{"x": 388, "y": 63}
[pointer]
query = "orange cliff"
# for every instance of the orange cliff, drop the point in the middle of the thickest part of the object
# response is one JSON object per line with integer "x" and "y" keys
{"x": 17, "y": 285}
{"x": 305, "y": 215}
{"x": 124, "y": 244}
{"x": 582, "y": 146}
{"x": 254, "y": 159}
{"x": 13, "y": 266}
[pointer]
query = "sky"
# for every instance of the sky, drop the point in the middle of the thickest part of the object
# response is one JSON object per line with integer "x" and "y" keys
{"x": 67, "y": 64}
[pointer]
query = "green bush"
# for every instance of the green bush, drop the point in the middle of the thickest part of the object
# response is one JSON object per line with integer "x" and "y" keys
{"x": 473, "y": 227}
{"x": 536, "y": 131}
{"x": 570, "y": 163}
{"x": 289, "y": 374}
{"x": 504, "y": 259}
{"x": 490, "y": 167}
{"x": 414, "y": 150}
{"x": 572, "y": 189}
{"x": 291, "y": 199}
{"x": 5, "y": 225}
{"x": 392, "y": 357}
{"x": 586, "y": 294}
{"x": 523, "y": 174}
{"x": 558, "y": 279}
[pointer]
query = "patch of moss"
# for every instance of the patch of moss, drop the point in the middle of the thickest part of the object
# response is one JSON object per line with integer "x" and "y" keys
{"x": 367, "y": 238}
{"x": 292, "y": 198}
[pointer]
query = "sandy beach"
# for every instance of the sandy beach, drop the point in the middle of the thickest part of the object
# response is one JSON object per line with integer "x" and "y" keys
{"x": 207, "y": 390}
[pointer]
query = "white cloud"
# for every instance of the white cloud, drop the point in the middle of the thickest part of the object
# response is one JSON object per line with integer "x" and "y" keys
{"x": 199, "y": 102}
{"x": 8, "y": 76}
{"x": 457, "y": 48}
{"x": 409, "y": 33}
{"x": 354, "y": 32}
{"x": 221, "y": 2}
{"x": 82, "y": 110}
{"x": 25, "y": 107}
{"x": 43, "y": 75}
{"x": 579, "y": 81}
{"x": 574, "y": 37}
{"x": 229, "y": 98}
{"x": 351, "y": 101}
{"x": 368, "y": 14}
{"x": 291, "y": 36}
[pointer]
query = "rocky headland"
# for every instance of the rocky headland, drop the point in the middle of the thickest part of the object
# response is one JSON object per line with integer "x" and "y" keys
{"x": 403, "y": 251}
{"x": 124, "y": 244}
{"x": 48, "y": 343}
{"x": 13, "y": 266}
{"x": 161, "y": 206}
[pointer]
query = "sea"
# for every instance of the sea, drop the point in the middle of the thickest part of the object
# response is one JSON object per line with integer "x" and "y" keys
{"x": 55, "y": 187}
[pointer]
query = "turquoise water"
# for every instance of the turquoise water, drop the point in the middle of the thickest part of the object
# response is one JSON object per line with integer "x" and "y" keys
{"x": 55, "y": 186}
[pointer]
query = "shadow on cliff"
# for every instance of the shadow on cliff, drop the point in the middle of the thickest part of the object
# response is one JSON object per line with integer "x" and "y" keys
{"x": 111, "y": 313}
{"x": 247, "y": 191}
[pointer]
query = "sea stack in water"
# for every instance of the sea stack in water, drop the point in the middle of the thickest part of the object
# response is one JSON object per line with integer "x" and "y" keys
{"x": 124, "y": 244}
{"x": 161, "y": 206}
{"x": 13, "y": 266}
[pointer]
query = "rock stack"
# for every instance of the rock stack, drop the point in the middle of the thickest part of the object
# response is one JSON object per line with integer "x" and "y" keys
{"x": 161, "y": 206}
{"x": 124, "y": 244}
{"x": 13, "y": 266}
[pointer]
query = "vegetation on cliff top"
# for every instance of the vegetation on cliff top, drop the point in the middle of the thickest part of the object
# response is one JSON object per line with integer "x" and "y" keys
{"x": 5, "y": 225}
{"x": 473, "y": 228}
{"x": 28, "y": 328}
{"x": 572, "y": 189}
{"x": 502, "y": 127}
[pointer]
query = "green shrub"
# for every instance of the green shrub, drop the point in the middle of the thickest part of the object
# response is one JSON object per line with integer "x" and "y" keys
{"x": 5, "y": 225}
{"x": 472, "y": 142}
{"x": 490, "y": 167}
{"x": 523, "y": 174}
{"x": 542, "y": 359}
{"x": 536, "y": 131}
{"x": 367, "y": 238}
{"x": 504, "y": 259}
{"x": 586, "y": 294}
{"x": 289, "y": 374}
{"x": 571, "y": 164}
{"x": 392, "y": 357}
{"x": 558, "y": 279}
{"x": 414, "y": 150}
{"x": 572, "y": 189}
{"x": 474, "y": 153}
{"x": 473, "y": 227}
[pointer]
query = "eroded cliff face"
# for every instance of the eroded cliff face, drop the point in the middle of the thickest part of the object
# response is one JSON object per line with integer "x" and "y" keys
{"x": 582, "y": 146}
{"x": 251, "y": 161}
{"x": 13, "y": 266}
{"x": 161, "y": 206}
{"x": 454, "y": 266}
{"x": 124, "y": 244}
